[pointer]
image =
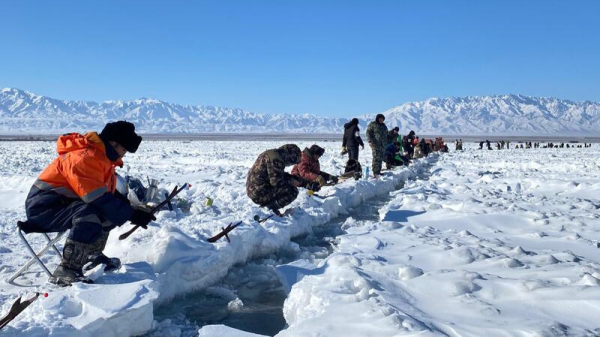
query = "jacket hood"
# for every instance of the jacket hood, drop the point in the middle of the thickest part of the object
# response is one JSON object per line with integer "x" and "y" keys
{"x": 354, "y": 121}
{"x": 75, "y": 141}
{"x": 379, "y": 116}
{"x": 290, "y": 154}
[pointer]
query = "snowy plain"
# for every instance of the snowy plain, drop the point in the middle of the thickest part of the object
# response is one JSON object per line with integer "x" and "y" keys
{"x": 473, "y": 243}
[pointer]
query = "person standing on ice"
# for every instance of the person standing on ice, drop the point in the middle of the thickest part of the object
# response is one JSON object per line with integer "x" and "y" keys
{"x": 377, "y": 137}
{"x": 77, "y": 191}
{"x": 268, "y": 185}
{"x": 352, "y": 139}
{"x": 309, "y": 167}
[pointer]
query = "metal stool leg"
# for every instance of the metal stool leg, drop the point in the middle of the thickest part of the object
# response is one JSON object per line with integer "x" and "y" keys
{"x": 53, "y": 245}
{"x": 36, "y": 257}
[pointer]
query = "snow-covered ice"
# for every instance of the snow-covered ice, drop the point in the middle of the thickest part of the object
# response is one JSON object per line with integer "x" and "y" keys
{"x": 473, "y": 243}
{"x": 493, "y": 243}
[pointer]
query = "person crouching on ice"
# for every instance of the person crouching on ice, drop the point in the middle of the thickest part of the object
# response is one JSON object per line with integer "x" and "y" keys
{"x": 393, "y": 156}
{"x": 268, "y": 185}
{"x": 77, "y": 191}
{"x": 310, "y": 169}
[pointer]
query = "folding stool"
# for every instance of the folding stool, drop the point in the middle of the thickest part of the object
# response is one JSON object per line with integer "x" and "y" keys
{"x": 23, "y": 228}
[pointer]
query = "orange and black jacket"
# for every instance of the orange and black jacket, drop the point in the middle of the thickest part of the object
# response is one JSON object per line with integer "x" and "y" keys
{"x": 84, "y": 171}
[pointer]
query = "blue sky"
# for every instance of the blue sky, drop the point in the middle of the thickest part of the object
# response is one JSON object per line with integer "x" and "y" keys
{"x": 331, "y": 58}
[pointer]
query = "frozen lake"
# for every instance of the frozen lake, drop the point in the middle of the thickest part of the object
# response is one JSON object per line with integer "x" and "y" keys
{"x": 472, "y": 243}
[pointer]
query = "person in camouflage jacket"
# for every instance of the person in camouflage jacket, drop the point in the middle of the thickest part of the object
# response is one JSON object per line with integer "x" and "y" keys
{"x": 377, "y": 134}
{"x": 268, "y": 185}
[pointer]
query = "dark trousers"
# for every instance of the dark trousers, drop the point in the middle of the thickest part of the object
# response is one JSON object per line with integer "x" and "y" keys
{"x": 392, "y": 161}
{"x": 353, "y": 153}
{"x": 50, "y": 212}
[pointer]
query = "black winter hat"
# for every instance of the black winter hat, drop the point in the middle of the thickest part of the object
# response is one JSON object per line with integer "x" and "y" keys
{"x": 379, "y": 116}
{"x": 396, "y": 128}
{"x": 123, "y": 133}
{"x": 317, "y": 150}
{"x": 354, "y": 121}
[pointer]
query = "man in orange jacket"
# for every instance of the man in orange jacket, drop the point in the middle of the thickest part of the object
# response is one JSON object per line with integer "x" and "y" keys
{"x": 77, "y": 191}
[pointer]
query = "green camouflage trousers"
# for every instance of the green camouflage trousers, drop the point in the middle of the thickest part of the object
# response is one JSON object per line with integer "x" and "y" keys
{"x": 274, "y": 198}
{"x": 377, "y": 159}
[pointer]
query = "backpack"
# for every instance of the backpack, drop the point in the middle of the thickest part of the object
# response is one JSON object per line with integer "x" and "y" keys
{"x": 353, "y": 169}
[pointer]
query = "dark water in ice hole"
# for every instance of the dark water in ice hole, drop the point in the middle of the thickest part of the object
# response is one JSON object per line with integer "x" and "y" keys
{"x": 257, "y": 285}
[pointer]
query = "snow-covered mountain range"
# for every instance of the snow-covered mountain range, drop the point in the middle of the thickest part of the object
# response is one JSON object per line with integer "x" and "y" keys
{"x": 23, "y": 112}
{"x": 502, "y": 115}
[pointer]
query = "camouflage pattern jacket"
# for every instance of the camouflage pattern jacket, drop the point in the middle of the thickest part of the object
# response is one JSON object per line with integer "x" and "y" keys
{"x": 269, "y": 169}
{"x": 377, "y": 134}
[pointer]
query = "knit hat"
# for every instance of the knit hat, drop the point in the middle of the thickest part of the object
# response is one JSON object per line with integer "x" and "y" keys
{"x": 123, "y": 133}
{"x": 316, "y": 150}
{"x": 396, "y": 128}
{"x": 354, "y": 121}
{"x": 290, "y": 153}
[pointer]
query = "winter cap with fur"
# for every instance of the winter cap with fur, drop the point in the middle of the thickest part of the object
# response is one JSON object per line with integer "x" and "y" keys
{"x": 123, "y": 133}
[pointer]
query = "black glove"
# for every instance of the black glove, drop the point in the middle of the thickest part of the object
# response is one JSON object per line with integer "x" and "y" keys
{"x": 141, "y": 218}
{"x": 335, "y": 179}
{"x": 313, "y": 186}
{"x": 122, "y": 197}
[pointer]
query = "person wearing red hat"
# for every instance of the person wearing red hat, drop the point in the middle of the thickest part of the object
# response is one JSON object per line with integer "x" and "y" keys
{"x": 77, "y": 191}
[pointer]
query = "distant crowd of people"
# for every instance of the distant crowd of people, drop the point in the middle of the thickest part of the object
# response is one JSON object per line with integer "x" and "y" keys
{"x": 501, "y": 145}
{"x": 389, "y": 147}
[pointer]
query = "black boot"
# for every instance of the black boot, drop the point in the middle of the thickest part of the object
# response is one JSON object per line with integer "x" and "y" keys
{"x": 110, "y": 263}
{"x": 75, "y": 255}
{"x": 273, "y": 206}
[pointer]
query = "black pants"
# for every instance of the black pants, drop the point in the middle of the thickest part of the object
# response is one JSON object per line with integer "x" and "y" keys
{"x": 49, "y": 212}
{"x": 353, "y": 153}
{"x": 391, "y": 161}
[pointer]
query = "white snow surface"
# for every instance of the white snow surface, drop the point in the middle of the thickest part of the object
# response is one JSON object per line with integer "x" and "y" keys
{"x": 172, "y": 257}
{"x": 25, "y": 113}
{"x": 494, "y": 243}
{"x": 476, "y": 243}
